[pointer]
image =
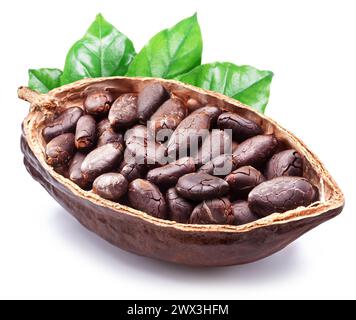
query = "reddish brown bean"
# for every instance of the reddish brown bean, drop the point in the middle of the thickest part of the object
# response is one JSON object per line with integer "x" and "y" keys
{"x": 85, "y": 134}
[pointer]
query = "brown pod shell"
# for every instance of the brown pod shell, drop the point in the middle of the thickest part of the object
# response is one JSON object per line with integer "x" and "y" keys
{"x": 135, "y": 231}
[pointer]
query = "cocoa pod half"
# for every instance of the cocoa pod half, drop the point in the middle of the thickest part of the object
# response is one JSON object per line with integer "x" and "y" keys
{"x": 138, "y": 232}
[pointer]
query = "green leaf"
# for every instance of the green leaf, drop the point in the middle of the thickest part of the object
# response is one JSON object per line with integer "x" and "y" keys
{"x": 44, "y": 79}
{"x": 170, "y": 52}
{"x": 102, "y": 52}
{"x": 244, "y": 83}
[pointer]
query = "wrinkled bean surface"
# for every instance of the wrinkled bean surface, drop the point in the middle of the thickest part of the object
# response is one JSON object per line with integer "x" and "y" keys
{"x": 180, "y": 209}
{"x": 60, "y": 150}
{"x": 281, "y": 194}
{"x": 242, "y": 213}
{"x": 255, "y": 151}
{"x": 201, "y": 186}
{"x": 98, "y": 102}
{"x": 167, "y": 176}
{"x": 123, "y": 112}
{"x": 241, "y": 128}
{"x": 190, "y": 129}
{"x": 145, "y": 196}
{"x": 168, "y": 116}
{"x": 220, "y": 166}
{"x": 213, "y": 211}
{"x": 110, "y": 186}
{"x": 285, "y": 163}
{"x": 243, "y": 180}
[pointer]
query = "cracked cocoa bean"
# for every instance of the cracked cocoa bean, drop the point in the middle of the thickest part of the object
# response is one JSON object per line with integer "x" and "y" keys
{"x": 101, "y": 160}
{"x": 137, "y": 133}
{"x": 168, "y": 175}
{"x": 66, "y": 122}
{"x": 132, "y": 170}
{"x": 75, "y": 172}
{"x": 191, "y": 131}
{"x": 234, "y": 145}
{"x": 106, "y": 134}
{"x": 218, "y": 142}
{"x": 111, "y": 186}
{"x": 102, "y": 126}
{"x": 98, "y": 102}
{"x": 123, "y": 112}
{"x": 201, "y": 186}
{"x": 60, "y": 150}
{"x": 256, "y": 150}
{"x": 242, "y": 128}
{"x": 145, "y": 196}
{"x": 180, "y": 209}
{"x": 285, "y": 163}
{"x": 140, "y": 150}
{"x": 150, "y": 155}
{"x": 193, "y": 104}
{"x": 168, "y": 116}
{"x": 243, "y": 180}
{"x": 242, "y": 213}
{"x": 149, "y": 99}
{"x": 281, "y": 194}
{"x": 85, "y": 134}
{"x": 110, "y": 136}
{"x": 213, "y": 211}
{"x": 220, "y": 166}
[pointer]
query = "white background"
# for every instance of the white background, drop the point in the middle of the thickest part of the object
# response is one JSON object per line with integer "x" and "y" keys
{"x": 311, "y": 48}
